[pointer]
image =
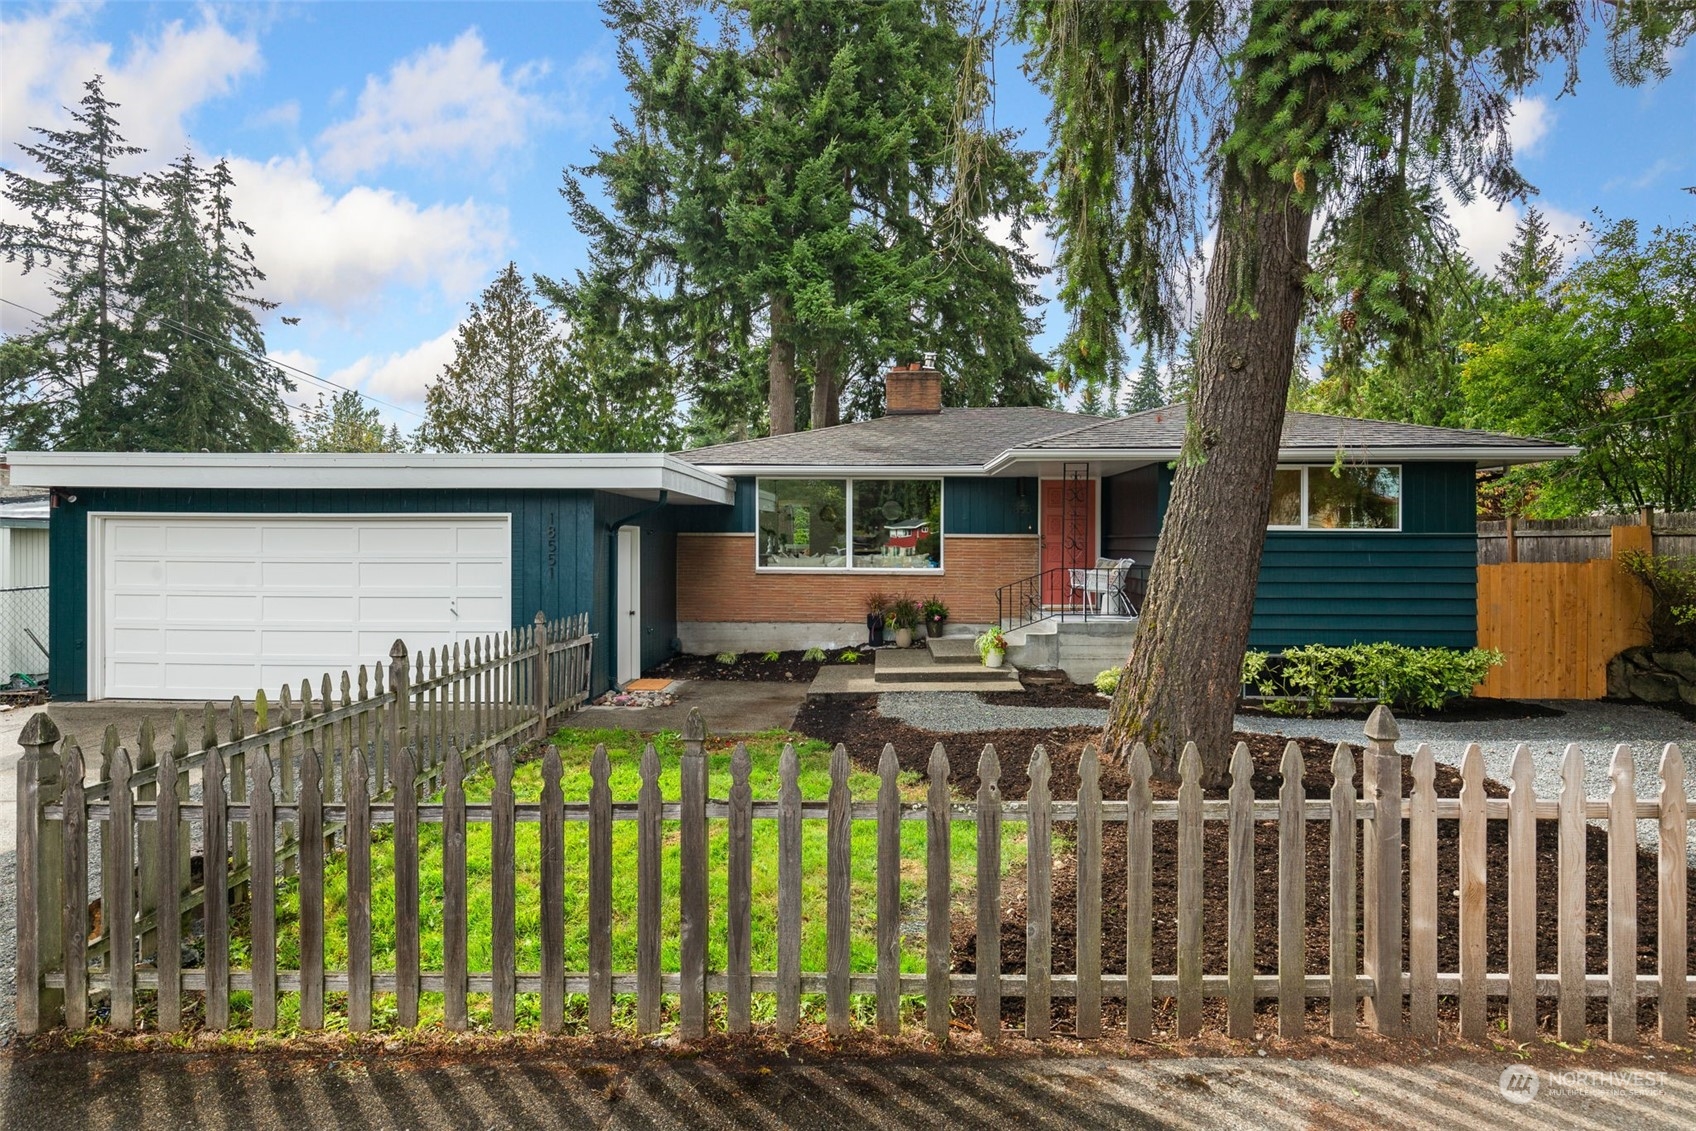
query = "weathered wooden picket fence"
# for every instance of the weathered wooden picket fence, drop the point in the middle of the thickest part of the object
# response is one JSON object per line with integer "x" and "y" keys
{"x": 295, "y": 783}
{"x": 1388, "y": 839}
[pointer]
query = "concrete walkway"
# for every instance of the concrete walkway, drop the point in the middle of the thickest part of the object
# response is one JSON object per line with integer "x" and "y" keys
{"x": 535, "y": 1087}
{"x": 727, "y": 706}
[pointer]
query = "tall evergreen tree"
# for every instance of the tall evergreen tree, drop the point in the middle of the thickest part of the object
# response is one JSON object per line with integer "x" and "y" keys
{"x": 782, "y": 217}
{"x": 1146, "y": 392}
{"x": 1285, "y": 107}
{"x": 345, "y": 423}
{"x": 202, "y": 383}
{"x": 506, "y": 359}
{"x": 1532, "y": 261}
{"x": 82, "y": 218}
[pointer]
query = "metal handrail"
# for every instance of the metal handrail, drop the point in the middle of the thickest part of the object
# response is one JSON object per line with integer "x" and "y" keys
{"x": 1066, "y": 591}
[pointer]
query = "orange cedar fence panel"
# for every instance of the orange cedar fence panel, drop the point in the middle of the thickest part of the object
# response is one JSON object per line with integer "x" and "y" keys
{"x": 1559, "y": 623}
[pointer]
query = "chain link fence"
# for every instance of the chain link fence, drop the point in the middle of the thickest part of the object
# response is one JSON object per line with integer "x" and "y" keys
{"x": 23, "y": 636}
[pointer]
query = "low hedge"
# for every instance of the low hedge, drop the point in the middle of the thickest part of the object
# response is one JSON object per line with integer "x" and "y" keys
{"x": 1405, "y": 678}
{"x": 1314, "y": 675}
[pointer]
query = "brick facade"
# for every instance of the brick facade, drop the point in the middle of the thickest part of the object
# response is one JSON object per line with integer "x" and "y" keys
{"x": 717, "y": 581}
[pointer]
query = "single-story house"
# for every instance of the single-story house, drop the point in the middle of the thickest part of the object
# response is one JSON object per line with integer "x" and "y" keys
{"x": 205, "y": 575}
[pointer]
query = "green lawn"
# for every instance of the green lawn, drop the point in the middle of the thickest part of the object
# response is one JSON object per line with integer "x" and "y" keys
{"x": 624, "y": 750}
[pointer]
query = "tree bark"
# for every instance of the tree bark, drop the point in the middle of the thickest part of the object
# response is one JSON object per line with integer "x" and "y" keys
{"x": 827, "y": 388}
{"x": 780, "y": 368}
{"x": 1184, "y": 673}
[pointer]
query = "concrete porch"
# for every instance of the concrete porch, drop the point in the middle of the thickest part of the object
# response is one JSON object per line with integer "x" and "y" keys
{"x": 1070, "y": 643}
{"x": 945, "y": 663}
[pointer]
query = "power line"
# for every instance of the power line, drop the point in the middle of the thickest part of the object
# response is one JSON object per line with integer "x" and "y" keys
{"x": 263, "y": 359}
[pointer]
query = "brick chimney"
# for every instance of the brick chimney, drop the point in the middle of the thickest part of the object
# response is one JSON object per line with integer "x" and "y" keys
{"x": 913, "y": 390}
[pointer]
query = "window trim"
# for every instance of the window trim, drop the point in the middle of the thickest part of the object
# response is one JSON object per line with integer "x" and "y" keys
{"x": 1307, "y": 469}
{"x": 848, "y": 526}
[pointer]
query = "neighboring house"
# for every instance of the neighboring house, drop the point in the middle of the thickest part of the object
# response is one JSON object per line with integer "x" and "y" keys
{"x": 193, "y": 576}
{"x": 23, "y": 583}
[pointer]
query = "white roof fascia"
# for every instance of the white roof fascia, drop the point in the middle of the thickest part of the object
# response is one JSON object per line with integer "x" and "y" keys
{"x": 645, "y": 473}
{"x": 1488, "y": 456}
{"x": 851, "y": 471}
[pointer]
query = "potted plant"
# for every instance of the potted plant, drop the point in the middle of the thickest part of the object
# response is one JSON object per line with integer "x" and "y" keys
{"x": 992, "y": 646}
{"x": 876, "y": 605}
{"x": 901, "y": 617}
{"x": 936, "y": 615}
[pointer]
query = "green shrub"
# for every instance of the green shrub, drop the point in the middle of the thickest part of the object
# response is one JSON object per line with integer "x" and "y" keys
{"x": 726, "y": 658}
{"x": 849, "y": 656}
{"x": 1107, "y": 682}
{"x": 1671, "y": 581}
{"x": 1403, "y": 677}
{"x": 772, "y": 657}
{"x": 813, "y": 655}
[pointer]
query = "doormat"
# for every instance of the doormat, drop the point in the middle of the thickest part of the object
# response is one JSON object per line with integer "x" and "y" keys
{"x": 647, "y": 685}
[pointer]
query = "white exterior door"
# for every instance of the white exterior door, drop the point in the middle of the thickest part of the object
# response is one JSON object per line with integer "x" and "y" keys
{"x": 629, "y": 579}
{"x": 206, "y": 607}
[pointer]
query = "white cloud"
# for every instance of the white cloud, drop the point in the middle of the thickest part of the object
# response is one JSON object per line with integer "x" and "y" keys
{"x": 443, "y": 102}
{"x": 1038, "y": 239}
{"x": 1531, "y": 120}
{"x": 400, "y": 377}
{"x": 1485, "y": 230}
{"x": 159, "y": 81}
{"x": 339, "y": 252}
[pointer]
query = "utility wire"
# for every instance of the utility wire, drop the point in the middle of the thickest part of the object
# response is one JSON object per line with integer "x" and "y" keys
{"x": 260, "y": 358}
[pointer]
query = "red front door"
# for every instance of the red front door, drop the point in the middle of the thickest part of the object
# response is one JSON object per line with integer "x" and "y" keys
{"x": 1068, "y": 536}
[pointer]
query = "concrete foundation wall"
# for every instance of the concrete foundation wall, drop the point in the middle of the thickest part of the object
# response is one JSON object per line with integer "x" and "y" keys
{"x": 708, "y": 638}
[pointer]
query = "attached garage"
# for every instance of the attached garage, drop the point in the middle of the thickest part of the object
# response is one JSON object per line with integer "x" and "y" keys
{"x": 201, "y": 576}
{"x": 206, "y": 607}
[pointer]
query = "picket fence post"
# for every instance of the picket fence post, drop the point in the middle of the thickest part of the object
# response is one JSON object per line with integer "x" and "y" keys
{"x": 539, "y": 677}
{"x": 1381, "y": 784}
{"x": 40, "y": 882}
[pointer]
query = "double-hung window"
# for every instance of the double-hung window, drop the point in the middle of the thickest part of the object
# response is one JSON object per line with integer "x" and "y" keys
{"x": 880, "y": 524}
{"x": 1353, "y": 497}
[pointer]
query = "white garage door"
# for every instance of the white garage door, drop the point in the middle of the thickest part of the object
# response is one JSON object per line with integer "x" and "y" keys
{"x": 206, "y": 608}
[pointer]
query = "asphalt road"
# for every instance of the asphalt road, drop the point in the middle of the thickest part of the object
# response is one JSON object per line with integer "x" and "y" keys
{"x": 78, "y": 1089}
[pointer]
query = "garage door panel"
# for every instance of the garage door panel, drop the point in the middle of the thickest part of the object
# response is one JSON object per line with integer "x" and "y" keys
{"x": 147, "y": 574}
{"x": 493, "y": 576}
{"x": 210, "y": 641}
{"x": 309, "y": 576}
{"x": 311, "y": 540}
{"x": 212, "y": 574}
{"x": 207, "y": 608}
{"x": 180, "y": 607}
{"x": 436, "y": 577}
{"x": 211, "y": 538}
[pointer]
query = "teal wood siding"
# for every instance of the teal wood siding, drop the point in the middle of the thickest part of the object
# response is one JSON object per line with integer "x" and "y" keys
{"x": 659, "y": 582}
{"x": 736, "y": 519}
{"x": 554, "y": 562}
{"x": 989, "y": 506}
{"x": 1415, "y": 586}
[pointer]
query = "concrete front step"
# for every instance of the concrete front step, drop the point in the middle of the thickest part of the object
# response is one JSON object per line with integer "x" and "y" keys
{"x": 917, "y": 665}
{"x": 958, "y": 649}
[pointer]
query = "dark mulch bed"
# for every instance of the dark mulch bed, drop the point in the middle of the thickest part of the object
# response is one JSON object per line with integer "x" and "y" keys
{"x": 855, "y": 722}
{"x": 749, "y": 667}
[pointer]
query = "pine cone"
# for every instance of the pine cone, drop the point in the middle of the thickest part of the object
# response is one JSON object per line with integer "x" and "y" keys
{"x": 1349, "y": 320}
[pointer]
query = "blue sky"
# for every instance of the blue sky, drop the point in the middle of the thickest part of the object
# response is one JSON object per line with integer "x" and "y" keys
{"x": 392, "y": 157}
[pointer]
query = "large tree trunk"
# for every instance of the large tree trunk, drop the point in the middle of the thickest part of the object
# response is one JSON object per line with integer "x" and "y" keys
{"x": 827, "y": 388}
{"x": 1184, "y": 674}
{"x": 780, "y": 368}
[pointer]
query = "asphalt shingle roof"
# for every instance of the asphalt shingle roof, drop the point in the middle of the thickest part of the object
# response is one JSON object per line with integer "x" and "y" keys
{"x": 954, "y": 437}
{"x": 1163, "y": 428}
{"x": 972, "y": 437}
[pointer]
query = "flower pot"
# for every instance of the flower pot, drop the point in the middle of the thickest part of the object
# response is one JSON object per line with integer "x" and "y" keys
{"x": 903, "y": 638}
{"x": 874, "y": 628}
{"x": 933, "y": 627}
{"x": 994, "y": 659}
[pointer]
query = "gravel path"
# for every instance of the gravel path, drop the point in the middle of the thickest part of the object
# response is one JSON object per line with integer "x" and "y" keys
{"x": 1596, "y": 727}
